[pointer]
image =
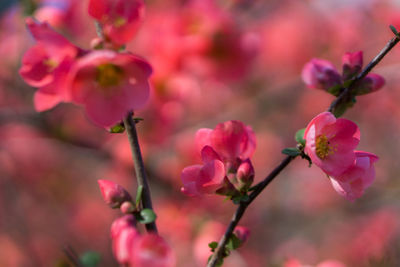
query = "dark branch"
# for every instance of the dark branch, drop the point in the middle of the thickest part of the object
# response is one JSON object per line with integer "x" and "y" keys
{"x": 141, "y": 176}
{"x": 344, "y": 95}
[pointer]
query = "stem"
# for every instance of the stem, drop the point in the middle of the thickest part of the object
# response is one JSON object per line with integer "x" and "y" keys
{"x": 242, "y": 208}
{"x": 219, "y": 251}
{"x": 140, "y": 171}
{"x": 347, "y": 91}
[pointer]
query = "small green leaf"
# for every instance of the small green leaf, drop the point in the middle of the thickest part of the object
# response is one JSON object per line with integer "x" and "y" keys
{"x": 119, "y": 128}
{"x": 90, "y": 259}
{"x": 335, "y": 90}
{"x": 137, "y": 119}
{"x": 299, "y": 137}
{"x": 234, "y": 242}
{"x": 139, "y": 195}
{"x": 213, "y": 245}
{"x": 393, "y": 29}
{"x": 147, "y": 216}
{"x": 291, "y": 151}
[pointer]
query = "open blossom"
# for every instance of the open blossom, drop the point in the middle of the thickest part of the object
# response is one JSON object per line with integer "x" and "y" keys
{"x": 232, "y": 140}
{"x": 46, "y": 65}
{"x": 330, "y": 143}
{"x": 151, "y": 250}
{"x": 352, "y": 183}
{"x": 206, "y": 178}
{"x": 134, "y": 249}
{"x": 119, "y": 19}
{"x": 110, "y": 84}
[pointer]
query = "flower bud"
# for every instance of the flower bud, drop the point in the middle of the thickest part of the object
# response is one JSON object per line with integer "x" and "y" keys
{"x": 245, "y": 175}
{"x": 127, "y": 207}
{"x": 320, "y": 74}
{"x": 242, "y": 233}
{"x": 352, "y": 64}
{"x": 113, "y": 194}
{"x": 371, "y": 83}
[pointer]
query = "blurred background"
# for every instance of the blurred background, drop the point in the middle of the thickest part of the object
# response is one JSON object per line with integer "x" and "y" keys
{"x": 213, "y": 61}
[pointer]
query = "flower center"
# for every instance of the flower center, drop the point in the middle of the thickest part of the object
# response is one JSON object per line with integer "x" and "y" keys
{"x": 119, "y": 22}
{"x": 51, "y": 64}
{"x": 323, "y": 147}
{"x": 108, "y": 75}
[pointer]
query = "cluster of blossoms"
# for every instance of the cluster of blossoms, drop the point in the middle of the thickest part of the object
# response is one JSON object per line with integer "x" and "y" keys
{"x": 322, "y": 74}
{"x": 330, "y": 144}
{"x": 226, "y": 168}
{"x": 108, "y": 83}
{"x": 129, "y": 246}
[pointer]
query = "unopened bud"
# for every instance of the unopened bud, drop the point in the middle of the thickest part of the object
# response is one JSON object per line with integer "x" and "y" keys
{"x": 320, "y": 74}
{"x": 242, "y": 233}
{"x": 371, "y": 83}
{"x": 245, "y": 175}
{"x": 113, "y": 194}
{"x": 352, "y": 64}
{"x": 127, "y": 207}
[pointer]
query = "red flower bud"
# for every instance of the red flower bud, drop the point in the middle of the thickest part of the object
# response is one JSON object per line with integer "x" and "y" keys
{"x": 113, "y": 194}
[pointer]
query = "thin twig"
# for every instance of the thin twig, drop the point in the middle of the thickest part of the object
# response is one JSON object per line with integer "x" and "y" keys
{"x": 72, "y": 256}
{"x": 242, "y": 208}
{"x": 219, "y": 251}
{"x": 347, "y": 91}
{"x": 140, "y": 171}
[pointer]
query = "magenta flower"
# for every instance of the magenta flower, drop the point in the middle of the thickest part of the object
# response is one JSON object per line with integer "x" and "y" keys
{"x": 231, "y": 140}
{"x": 113, "y": 194}
{"x": 110, "y": 84}
{"x": 46, "y": 65}
{"x": 120, "y": 19}
{"x": 206, "y": 178}
{"x": 320, "y": 74}
{"x": 330, "y": 143}
{"x": 352, "y": 183}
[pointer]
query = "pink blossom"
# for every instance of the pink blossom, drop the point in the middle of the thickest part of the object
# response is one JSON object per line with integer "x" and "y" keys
{"x": 123, "y": 235}
{"x": 206, "y": 178}
{"x": 320, "y": 74}
{"x": 352, "y": 183}
{"x": 151, "y": 250}
{"x": 110, "y": 84}
{"x": 120, "y": 19}
{"x": 113, "y": 194}
{"x": 231, "y": 140}
{"x": 330, "y": 143}
{"x": 352, "y": 64}
{"x": 46, "y": 65}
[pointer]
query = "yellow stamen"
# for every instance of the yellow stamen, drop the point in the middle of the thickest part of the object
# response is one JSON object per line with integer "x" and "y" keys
{"x": 120, "y": 21}
{"x": 51, "y": 64}
{"x": 108, "y": 75}
{"x": 323, "y": 148}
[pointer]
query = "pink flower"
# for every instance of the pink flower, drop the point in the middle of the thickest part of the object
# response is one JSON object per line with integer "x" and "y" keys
{"x": 120, "y": 19}
{"x": 330, "y": 143}
{"x": 232, "y": 140}
{"x": 47, "y": 64}
{"x": 123, "y": 235}
{"x": 352, "y": 64}
{"x": 320, "y": 74}
{"x": 352, "y": 183}
{"x": 151, "y": 250}
{"x": 206, "y": 178}
{"x": 113, "y": 194}
{"x": 110, "y": 84}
